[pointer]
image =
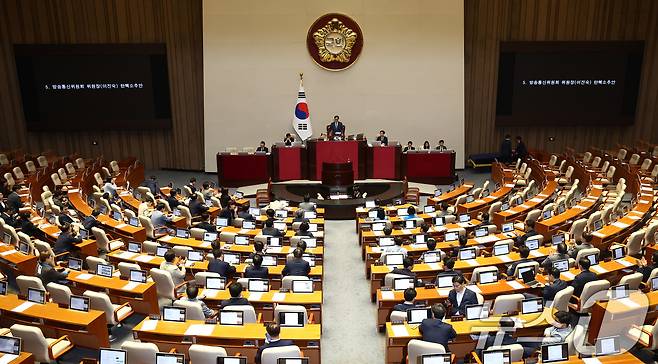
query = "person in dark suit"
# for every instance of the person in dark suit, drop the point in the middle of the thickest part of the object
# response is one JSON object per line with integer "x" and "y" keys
{"x": 66, "y": 241}
{"x": 505, "y": 155}
{"x": 410, "y": 146}
{"x": 442, "y": 146}
{"x": 435, "y": 330}
{"x": 25, "y": 224}
{"x": 205, "y": 224}
{"x": 408, "y": 265}
{"x": 555, "y": 285}
{"x": 217, "y": 265}
{"x": 271, "y": 340}
{"x": 448, "y": 269}
{"x": 152, "y": 184}
{"x": 269, "y": 229}
{"x": 409, "y": 297}
{"x": 3, "y": 204}
{"x": 336, "y": 128}
{"x": 530, "y": 231}
{"x": 235, "y": 289}
{"x": 303, "y": 230}
{"x": 463, "y": 241}
{"x": 48, "y": 271}
{"x": 584, "y": 277}
{"x": 192, "y": 184}
{"x": 645, "y": 268}
{"x": 288, "y": 139}
{"x": 460, "y": 296}
{"x": 256, "y": 270}
{"x": 172, "y": 200}
{"x": 547, "y": 264}
{"x": 524, "y": 252}
{"x": 258, "y": 249}
{"x": 262, "y": 148}
{"x": 9, "y": 216}
{"x": 297, "y": 266}
{"x": 382, "y": 138}
{"x": 14, "y": 199}
{"x": 521, "y": 151}
{"x": 228, "y": 212}
{"x": 506, "y": 330}
{"x": 243, "y": 213}
{"x": 91, "y": 220}
{"x": 586, "y": 243}
{"x": 197, "y": 207}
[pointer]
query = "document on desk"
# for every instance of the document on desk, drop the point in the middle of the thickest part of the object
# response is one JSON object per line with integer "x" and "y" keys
{"x": 23, "y": 306}
{"x": 149, "y": 325}
{"x": 83, "y": 276}
{"x": 279, "y": 297}
{"x": 598, "y": 234}
{"x": 505, "y": 258}
{"x": 471, "y": 262}
{"x": 210, "y": 293}
{"x": 444, "y": 292}
{"x": 620, "y": 224}
{"x": 536, "y": 200}
{"x": 376, "y": 249}
{"x": 274, "y": 249}
{"x": 121, "y": 226}
{"x": 199, "y": 330}
{"x": 625, "y": 262}
{"x": 144, "y": 258}
{"x": 255, "y": 296}
{"x": 628, "y": 302}
{"x": 568, "y": 275}
{"x": 7, "y": 358}
{"x": 400, "y": 330}
{"x": 378, "y": 233}
{"x": 433, "y": 266}
{"x": 166, "y": 238}
{"x": 130, "y": 286}
{"x": 406, "y": 231}
{"x": 486, "y": 239}
{"x": 8, "y": 252}
{"x": 598, "y": 269}
{"x": 126, "y": 255}
{"x": 515, "y": 284}
{"x": 535, "y": 253}
{"x": 244, "y": 231}
{"x": 388, "y": 295}
{"x": 591, "y": 361}
{"x": 205, "y": 244}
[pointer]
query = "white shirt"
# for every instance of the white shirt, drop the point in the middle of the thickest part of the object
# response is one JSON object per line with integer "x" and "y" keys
{"x": 459, "y": 296}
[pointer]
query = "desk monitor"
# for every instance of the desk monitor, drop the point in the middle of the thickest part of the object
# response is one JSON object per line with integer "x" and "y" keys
{"x": 410, "y": 224}
{"x": 470, "y": 198}
{"x": 182, "y": 233}
{"x": 451, "y": 188}
{"x": 208, "y": 203}
{"x": 134, "y": 247}
{"x": 508, "y": 227}
{"x": 105, "y": 270}
{"x": 3, "y": 288}
{"x": 281, "y": 226}
{"x": 231, "y": 360}
{"x": 419, "y": 239}
{"x": 444, "y": 281}
{"x": 476, "y": 312}
{"x": 467, "y": 253}
{"x": 435, "y": 359}
{"x": 10, "y": 345}
{"x": 593, "y": 259}
{"x": 429, "y": 209}
{"x": 501, "y": 249}
{"x": 275, "y": 241}
{"x": 160, "y": 251}
{"x": 378, "y": 226}
{"x": 386, "y": 241}
{"x": 310, "y": 215}
{"x": 370, "y": 204}
{"x": 431, "y": 257}
{"x": 393, "y": 259}
{"x": 227, "y": 317}
{"x": 373, "y": 214}
{"x": 561, "y": 208}
{"x": 598, "y": 224}
{"x": 281, "y": 214}
{"x": 452, "y": 236}
{"x": 248, "y": 224}
{"x": 480, "y": 232}
{"x": 402, "y": 212}
{"x": 215, "y": 283}
{"x": 547, "y": 214}
{"x": 561, "y": 264}
{"x": 169, "y": 358}
{"x": 619, "y": 292}
{"x": 292, "y": 361}
{"x": 116, "y": 215}
{"x": 174, "y": 314}
{"x": 554, "y": 353}
{"x": 221, "y": 222}
{"x": 532, "y": 243}
{"x": 112, "y": 356}
{"x": 312, "y": 227}
{"x": 654, "y": 284}
{"x": 79, "y": 303}
{"x": 75, "y": 264}
{"x": 254, "y": 211}
{"x": 488, "y": 277}
{"x": 302, "y": 286}
{"x": 138, "y": 275}
{"x": 84, "y": 234}
{"x": 528, "y": 274}
{"x": 607, "y": 345}
{"x": 496, "y": 357}
{"x": 464, "y": 218}
{"x": 310, "y": 259}
{"x": 36, "y": 295}
{"x": 417, "y": 315}
{"x": 177, "y": 212}
{"x": 557, "y": 239}
{"x": 437, "y": 192}
{"x": 24, "y": 247}
{"x": 241, "y": 240}
{"x": 400, "y": 284}
{"x": 133, "y": 221}
{"x": 519, "y": 200}
{"x": 269, "y": 261}
{"x": 504, "y": 206}
{"x": 258, "y": 285}
{"x": 232, "y": 258}
{"x": 194, "y": 255}
{"x": 618, "y": 252}
{"x": 532, "y": 305}
{"x": 310, "y": 242}
{"x": 291, "y": 319}
{"x": 209, "y": 236}
{"x": 238, "y": 194}
{"x": 439, "y": 221}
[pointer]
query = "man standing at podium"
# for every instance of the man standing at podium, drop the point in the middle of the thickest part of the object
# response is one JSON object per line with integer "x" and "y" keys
{"x": 336, "y": 130}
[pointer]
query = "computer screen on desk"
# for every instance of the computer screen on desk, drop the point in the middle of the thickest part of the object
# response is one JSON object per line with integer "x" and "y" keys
{"x": 169, "y": 358}
{"x": 112, "y": 356}
{"x": 10, "y": 345}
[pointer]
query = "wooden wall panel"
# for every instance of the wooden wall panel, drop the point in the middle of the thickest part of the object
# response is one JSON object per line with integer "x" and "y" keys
{"x": 173, "y": 22}
{"x": 488, "y": 22}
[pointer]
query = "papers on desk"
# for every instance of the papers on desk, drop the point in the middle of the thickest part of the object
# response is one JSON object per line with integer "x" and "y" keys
{"x": 8, "y": 252}
{"x": 376, "y": 249}
{"x": 515, "y": 284}
{"x": 433, "y": 266}
{"x": 23, "y": 306}
{"x": 418, "y": 246}
{"x": 279, "y": 297}
{"x": 7, "y": 358}
{"x": 591, "y": 361}
{"x": 620, "y": 224}
{"x": 144, "y": 258}
{"x": 479, "y": 201}
{"x": 624, "y": 262}
{"x": 388, "y": 295}
{"x": 166, "y": 238}
{"x": 199, "y": 330}
{"x": 628, "y": 302}
{"x": 633, "y": 217}
{"x": 568, "y": 275}
{"x": 378, "y": 233}
{"x": 471, "y": 262}
{"x": 473, "y": 288}
{"x": 598, "y": 234}
{"x": 524, "y": 206}
{"x": 130, "y": 286}
{"x": 536, "y": 200}
{"x": 255, "y": 296}
{"x": 510, "y": 185}
{"x": 274, "y": 249}
{"x": 486, "y": 239}
{"x": 126, "y": 255}
{"x": 535, "y": 253}
{"x": 121, "y": 226}
{"x": 44, "y": 226}
{"x": 598, "y": 269}
{"x": 444, "y": 292}
{"x": 149, "y": 325}
{"x": 505, "y": 258}
{"x": 464, "y": 224}
{"x": 210, "y": 293}
{"x": 406, "y": 231}
{"x": 83, "y": 276}
{"x": 579, "y": 207}
{"x": 243, "y": 231}
{"x": 400, "y": 330}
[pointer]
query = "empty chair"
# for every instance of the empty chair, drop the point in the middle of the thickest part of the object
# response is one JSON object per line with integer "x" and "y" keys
{"x": 196, "y": 233}
{"x": 524, "y": 180}
{"x": 70, "y": 170}
{"x": 653, "y": 175}
{"x": 80, "y": 163}
{"x": 290, "y": 308}
{"x": 205, "y": 353}
{"x": 646, "y": 164}
{"x": 19, "y": 174}
{"x": 139, "y": 352}
{"x": 561, "y": 300}
{"x": 200, "y": 278}
{"x": 286, "y": 282}
{"x": 4, "y": 160}
{"x": 577, "y": 229}
{"x": 272, "y": 355}
{"x": 650, "y": 234}
{"x": 605, "y": 166}
{"x": 563, "y": 165}
{"x": 633, "y": 280}
{"x": 587, "y": 156}
{"x": 248, "y": 312}
{"x": 32, "y": 168}
{"x": 533, "y": 215}
{"x": 416, "y": 348}
{"x": 62, "y": 175}
{"x": 193, "y": 310}
{"x": 507, "y": 303}
{"x": 45, "y": 350}
{"x": 59, "y": 293}
{"x": 634, "y": 160}
{"x": 621, "y": 155}
{"x": 592, "y": 219}
{"x": 42, "y": 161}
{"x": 10, "y": 180}
{"x": 516, "y": 351}
{"x": 495, "y": 207}
{"x": 164, "y": 284}
{"x": 567, "y": 176}
{"x": 114, "y": 314}
{"x": 25, "y": 282}
{"x": 581, "y": 304}
{"x": 93, "y": 262}
{"x": 151, "y": 233}
{"x": 596, "y": 162}
{"x": 552, "y": 161}
{"x": 114, "y": 167}
{"x": 150, "y": 247}
{"x": 125, "y": 268}
{"x": 98, "y": 178}
{"x": 103, "y": 242}
{"x": 185, "y": 212}
{"x": 609, "y": 176}
{"x": 634, "y": 243}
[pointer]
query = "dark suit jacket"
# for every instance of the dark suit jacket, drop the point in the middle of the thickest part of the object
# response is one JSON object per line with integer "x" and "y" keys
{"x": 50, "y": 274}
{"x": 403, "y": 307}
{"x": 14, "y": 201}
{"x": 29, "y": 228}
{"x": 512, "y": 267}
{"x": 254, "y": 272}
{"x": 196, "y": 208}
{"x": 152, "y": 185}
{"x": 404, "y": 272}
{"x": 304, "y": 233}
{"x": 221, "y": 267}
{"x": 66, "y": 243}
{"x": 234, "y": 301}
{"x": 271, "y": 231}
{"x": 406, "y": 149}
{"x": 506, "y": 151}
{"x": 90, "y": 222}
{"x": 296, "y": 267}
{"x": 262, "y": 149}
{"x": 382, "y": 139}
{"x": 521, "y": 151}
{"x": 205, "y": 225}
{"x": 437, "y": 331}
{"x": 551, "y": 290}
{"x": 469, "y": 299}
{"x": 646, "y": 271}
{"x": 246, "y": 216}
{"x": 581, "y": 280}
{"x": 333, "y": 128}
{"x": 520, "y": 241}
{"x": 173, "y": 202}
{"x": 274, "y": 344}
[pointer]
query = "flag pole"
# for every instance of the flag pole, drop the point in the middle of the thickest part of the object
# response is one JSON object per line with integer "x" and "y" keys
{"x": 301, "y": 78}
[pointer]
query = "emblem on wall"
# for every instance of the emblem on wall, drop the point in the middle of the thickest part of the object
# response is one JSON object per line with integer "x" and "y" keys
{"x": 334, "y": 41}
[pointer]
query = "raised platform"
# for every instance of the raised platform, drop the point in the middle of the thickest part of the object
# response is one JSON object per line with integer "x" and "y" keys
{"x": 338, "y": 209}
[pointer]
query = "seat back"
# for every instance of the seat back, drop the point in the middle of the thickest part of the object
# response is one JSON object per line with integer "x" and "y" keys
{"x": 69, "y": 168}
{"x": 139, "y": 352}
{"x": 533, "y": 215}
{"x": 62, "y": 174}
{"x": 589, "y": 290}
{"x": 150, "y": 247}
{"x": 93, "y": 262}
{"x": 272, "y": 355}
{"x": 633, "y": 280}
{"x": 200, "y": 278}
{"x": 193, "y": 310}
{"x": 586, "y": 157}
{"x": 577, "y": 229}
{"x": 416, "y": 348}
{"x": 125, "y": 268}
{"x": 605, "y": 166}
{"x": 575, "y": 339}
{"x": 390, "y": 277}
{"x": 516, "y": 351}
{"x": 43, "y": 161}
{"x": 59, "y": 293}
{"x": 475, "y": 277}
{"x": 561, "y": 300}
{"x": 634, "y": 243}
{"x": 596, "y": 162}
{"x": 98, "y": 178}
{"x": 197, "y": 233}
{"x": 114, "y": 166}
{"x": 588, "y": 251}
{"x": 205, "y": 353}
{"x": 524, "y": 265}
{"x": 18, "y": 173}
{"x": 185, "y": 212}
{"x": 248, "y": 312}
{"x": 33, "y": 341}
{"x": 181, "y": 251}
{"x": 80, "y": 163}
{"x": 507, "y": 303}
{"x": 102, "y": 241}
{"x": 552, "y": 161}
{"x": 650, "y": 234}
{"x": 289, "y": 308}
{"x": 101, "y": 302}
{"x": 25, "y": 282}
{"x": 164, "y": 284}
{"x": 646, "y": 164}
{"x": 569, "y": 172}
{"x": 563, "y": 166}
{"x": 592, "y": 218}
{"x": 611, "y": 173}
{"x": 10, "y": 180}
{"x": 148, "y": 226}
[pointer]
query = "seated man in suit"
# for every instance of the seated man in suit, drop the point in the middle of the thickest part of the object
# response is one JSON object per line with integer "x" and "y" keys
{"x": 435, "y": 330}
{"x": 66, "y": 241}
{"x": 555, "y": 285}
{"x": 382, "y": 138}
{"x": 235, "y": 289}
{"x": 196, "y": 206}
{"x": 460, "y": 296}
{"x": 584, "y": 277}
{"x": 258, "y": 249}
{"x": 256, "y": 270}
{"x": 25, "y": 224}
{"x": 217, "y": 265}
{"x": 14, "y": 199}
{"x": 299, "y": 216}
{"x": 262, "y": 148}
{"x": 205, "y": 223}
{"x": 191, "y": 296}
{"x": 172, "y": 200}
{"x": 586, "y": 243}
{"x": 91, "y": 220}
{"x": 530, "y": 231}
{"x": 493, "y": 338}
{"x": 152, "y": 184}
{"x": 243, "y": 213}
{"x": 297, "y": 266}
{"x": 463, "y": 241}
{"x": 561, "y": 253}
{"x": 442, "y": 146}
{"x": 448, "y": 269}
{"x": 271, "y": 340}
{"x": 409, "y": 297}
{"x": 645, "y": 268}
{"x": 303, "y": 230}
{"x": 270, "y": 230}
{"x": 158, "y": 217}
{"x": 431, "y": 249}
{"x": 409, "y": 147}
{"x": 408, "y": 265}
{"x": 48, "y": 271}
{"x": 524, "y": 252}
{"x": 175, "y": 266}
{"x": 336, "y": 129}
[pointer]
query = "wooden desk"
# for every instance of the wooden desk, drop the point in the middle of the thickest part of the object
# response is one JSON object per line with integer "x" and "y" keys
{"x": 625, "y": 313}
{"x": 479, "y": 205}
{"x": 243, "y": 339}
{"x": 17, "y": 262}
{"x": 86, "y": 329}
{"x": 133, "y": 203}
{"x": 519, "y": 212}
{"x": 87, "y": 247}
{"x": 451, "y": 197}
{"x": 23, "y": 358}
{"x": 550, "y": 227}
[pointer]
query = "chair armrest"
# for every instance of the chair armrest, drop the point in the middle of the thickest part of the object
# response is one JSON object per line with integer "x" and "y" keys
{"x": 52, "y": 345}
{"x": 639, "y": 339}
{"x": 176, "y": 288}
{"x": 311, "y": 318}
{"x": 259, "y": 318}
{"x": 116, "y": 310}
{"x": 477, "y": 358}
{"x": 173, "y": 351}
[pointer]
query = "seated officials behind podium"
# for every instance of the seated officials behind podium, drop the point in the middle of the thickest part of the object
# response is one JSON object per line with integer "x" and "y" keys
{"x": 460, "y": 296}
{"x": 262, "y": 148}
{"x": 256, "y": 270}
{"x": 441, "y": 147}
{"x": 297, "y": 266}
{"x": 410, "y": 146}
{"x": 289, "y": 139}
{"x": 235, "y": 289}
{"x": 435, "y": 330}
{"x": 272, "y": 340}
{"x": 336, "y": 129}
{"x": 382, "y": 138}
{"x": 426, "y": 145}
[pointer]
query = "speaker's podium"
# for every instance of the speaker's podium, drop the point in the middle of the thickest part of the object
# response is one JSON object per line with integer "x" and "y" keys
{"x": 338, "y": 177}
{"x": 336, "y": 152}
